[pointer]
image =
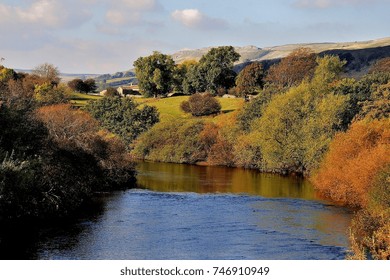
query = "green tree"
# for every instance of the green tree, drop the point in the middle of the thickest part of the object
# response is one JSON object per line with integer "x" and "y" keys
{"x": 77, "y": 85}
{"x": 251, "y": 79}
{"x": 377, "y": 106}
{"x": 252, "y": 110}
{"x": 216, "y": 69}
{"x": 47, "y": 94}
{"x": 90, "y": 85}
{"x": 155, "y": 74}
{"x": 180, "y": 75}
{"x": 6, "y": 74}
{"x": 194, "y": 80}
{"x": 123, "y": 116}
{"x": 296, "y": 127}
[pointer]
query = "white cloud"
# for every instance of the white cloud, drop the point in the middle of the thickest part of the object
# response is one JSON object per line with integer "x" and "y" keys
{"x": 189, "y": 17}
{"x": 193, "y": 18}
{"x": 46, "y": 13}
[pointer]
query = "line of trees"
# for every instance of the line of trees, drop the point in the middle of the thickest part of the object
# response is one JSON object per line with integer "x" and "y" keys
{"x": 158, "y": 75}
{"x": 213, "y": 73}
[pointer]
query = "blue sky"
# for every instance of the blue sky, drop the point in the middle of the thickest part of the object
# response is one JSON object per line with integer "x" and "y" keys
{"x": 105, "y": 36}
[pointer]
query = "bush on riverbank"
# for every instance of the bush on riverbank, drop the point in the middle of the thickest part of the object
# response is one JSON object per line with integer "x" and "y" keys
{"x": 356, "y": 172}
{"x": 354, "y": 160}
{"x": 178, "y": 142}
{"x": 370, "y": 229}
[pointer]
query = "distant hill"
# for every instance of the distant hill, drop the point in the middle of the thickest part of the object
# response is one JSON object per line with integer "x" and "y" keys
{"x": 359, "y": 56}
{"x": 253, "y": 53}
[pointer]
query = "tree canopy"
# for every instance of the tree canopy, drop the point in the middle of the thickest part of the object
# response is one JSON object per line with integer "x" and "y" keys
{"x": 250, "y": 79}
{"x": 48, "y": 72}
{"x": 216, "y": 68}
{"x": 89, "y": 85}
{"x": 155, "y": 74}
{"x": 292, "y": 69}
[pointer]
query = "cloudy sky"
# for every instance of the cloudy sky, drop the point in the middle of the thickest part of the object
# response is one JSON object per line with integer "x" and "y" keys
{"x": 105, "y": 36}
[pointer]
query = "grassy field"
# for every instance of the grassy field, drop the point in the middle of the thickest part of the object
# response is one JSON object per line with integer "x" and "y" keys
{"x": 81, "y": 99}
{"x": 169, "y": 108}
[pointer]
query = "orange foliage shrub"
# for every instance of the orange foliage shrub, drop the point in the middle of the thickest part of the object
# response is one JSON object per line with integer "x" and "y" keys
{"x": 73, "y": 129}
{"x": 353, "y": 161}
{"x": 68, "y": 127}
{"x": 208, "y": 136}
{"x": 222, "y": 151}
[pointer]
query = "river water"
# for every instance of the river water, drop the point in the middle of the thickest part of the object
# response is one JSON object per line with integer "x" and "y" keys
{"x": 194, "y": 212}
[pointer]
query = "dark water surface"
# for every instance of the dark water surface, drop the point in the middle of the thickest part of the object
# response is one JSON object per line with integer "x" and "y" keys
{"x": 193, "y": 212}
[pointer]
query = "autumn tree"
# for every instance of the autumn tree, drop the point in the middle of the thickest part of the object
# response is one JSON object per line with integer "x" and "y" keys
{"x": 69, "y": 127}
{"x": 292, "y": 69}
{"x": 48, "y": 72}
{"x": 251, "y": 79}
{"x": 296, "y": 127}
{"x": 223, "y": 151}
{"x": 155, "y": 74}
{"x": 355, "y": 157}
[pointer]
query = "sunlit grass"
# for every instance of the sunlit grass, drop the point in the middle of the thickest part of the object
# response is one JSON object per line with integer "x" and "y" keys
{"x": 169, "y": 108}
{"x": 81, "y": 99}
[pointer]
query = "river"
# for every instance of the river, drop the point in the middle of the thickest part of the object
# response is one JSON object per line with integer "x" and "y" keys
{"x": 194, "y": 212}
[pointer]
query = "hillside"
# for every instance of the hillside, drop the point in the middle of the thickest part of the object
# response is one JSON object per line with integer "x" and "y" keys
{"x": 253, "y": 53}
{"x": 359, "y": 55}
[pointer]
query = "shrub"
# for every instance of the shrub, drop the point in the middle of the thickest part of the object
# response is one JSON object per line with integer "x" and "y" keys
{"x": 370, "y": 229}
{"x": 247, "y": 152}
{"x": 177, "y": 141}
{"x": 222, "y": 152}
{"x": 123, "y": 116}
{"x": 252, "y": 111}
{"x": 75, "y": 130}
{"x": 47, "y": 94}
{"x": 354, "y": 159}
{"x": 201, "y": 105}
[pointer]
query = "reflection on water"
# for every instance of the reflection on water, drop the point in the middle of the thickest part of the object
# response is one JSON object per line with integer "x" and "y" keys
{"x": 192, "y": 212}
{"x": 167, "y": 177}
